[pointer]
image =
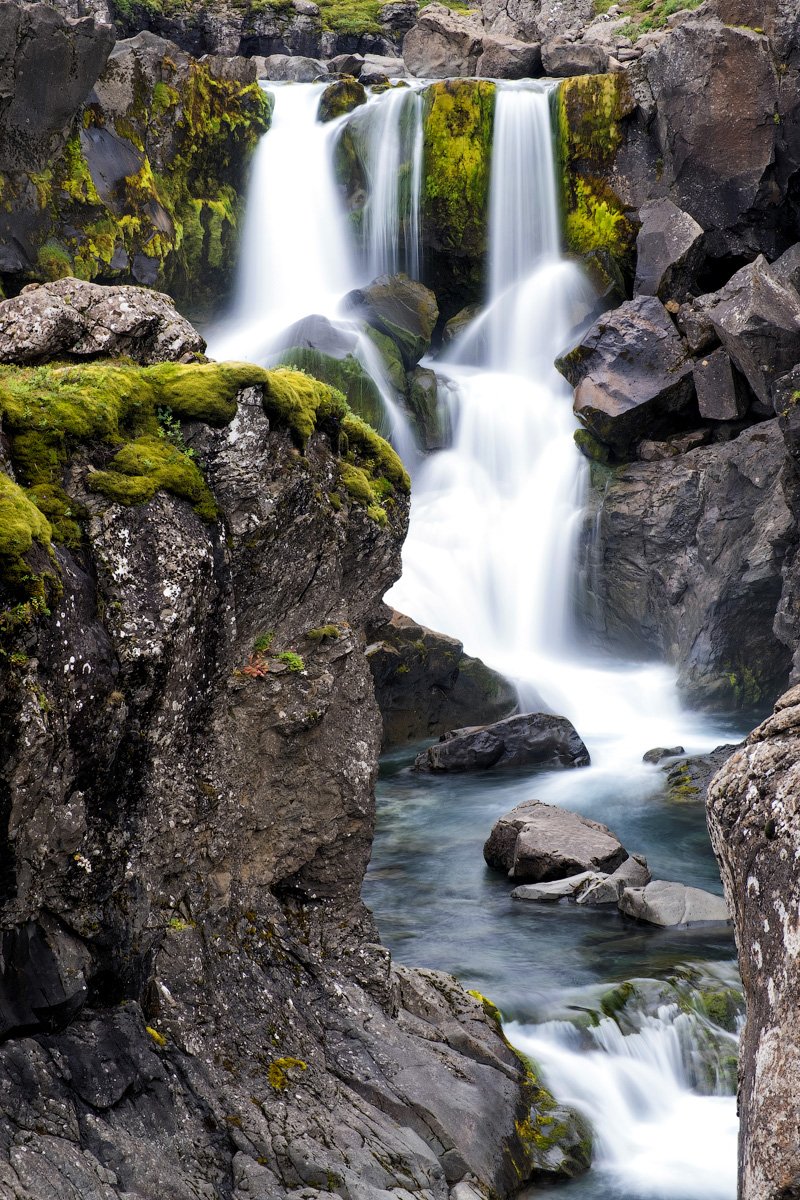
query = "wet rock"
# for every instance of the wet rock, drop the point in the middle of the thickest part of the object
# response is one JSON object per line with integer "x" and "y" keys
{"x": 757, "y": 320}
{"x": 667, "y": 904}
{"x": 557, "y": 889}
{"x": 431, "y": 418}
{"x": 74, "y": 319}
{"x": 753, "y": 821}
{"x": 402, "y": 309}
{"x": 633, "y": 872}
{"x": 425, "y": 684}
{"x": 443, "y": 44}
{"x": 515, "y": 741}
{"x": 340, "y": 97}
{"x": 457, "y": 324}
{"x": 504, "y": 58}
{"x": 659, "y": 753}
{"x": 539, "y": 842}
{"x": 668, "y": 576}
{"x": 347, "y": 64}
{"x": 48, "y": 64}
{"x": 563, "y": 57}
{"x": 631, "y": 374}
{"x": 688, "y": 780}
{"x": 668, "y": 251}
{"x": 721, "y": 392}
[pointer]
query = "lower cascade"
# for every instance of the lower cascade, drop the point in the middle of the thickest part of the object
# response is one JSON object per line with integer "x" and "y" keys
{"x": 491, "y": 559}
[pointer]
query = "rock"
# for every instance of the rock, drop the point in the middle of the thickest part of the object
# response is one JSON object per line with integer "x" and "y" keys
{"x": 666, "y": 904}
{"x": 562, "y": 57}
{"x": 671, "y": 447}
{"x": 431, "y": 418}
{"x": 345, "y": 372}
{"x": 556, "y": 889}
{"x": 339, "y": 98}
{"x": 539, "y": 842}
{"x": 398, "y": 17}
{"x": 234, "y": 67}
{"x": 753, "y": 821}
{"x": 457, "y": 324}
{"x": 631, "y": 374}
{"x": 402, "y": 309}
{"x": 757, "y": 320}
{"x": 786, "y": 269}
{"x": 316, "y": 332}
{"x": 48, "y": 65}
{"x": 442, "y": 44}
{"x": 535, "y": 20}
{"x": 721, "y": 392}
{"x": 632, "y": 873}
{"x": 391, "y": 67}
{"x": 661, "y": 752}
{"x": 425, "y": 684}
{"x": 668, "y": 251}
{"x": 668, "y": 577}
{"x": 694, "y": 322}
{"x": 293, "y": 68}
{"x": 347, "y": 64}
{"x": 688, "y": 780}
{"x": 504, "y": 58}
{"x": 73, "y": 319}
{"x": 515, "y": 741}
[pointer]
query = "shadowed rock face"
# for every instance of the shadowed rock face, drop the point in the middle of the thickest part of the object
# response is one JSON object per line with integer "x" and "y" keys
{"x": 530, "y": 738}
{"x": 752, "y": 816}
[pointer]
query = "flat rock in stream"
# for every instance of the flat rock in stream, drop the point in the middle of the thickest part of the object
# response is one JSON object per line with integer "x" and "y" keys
{"x": 666, "y": 904}
{"x": 526, "y": 740}
{"x": 537, "y": 842}
{"x": 607, "y": 889}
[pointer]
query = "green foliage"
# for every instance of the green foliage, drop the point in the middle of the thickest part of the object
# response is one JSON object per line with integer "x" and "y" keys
{"x": 263, "y": 642}
{"x": 646, "y": 15}
{"x": 459, "y": 117}
{"x": 351, "y": 16}
{"x": 292, "y": 660}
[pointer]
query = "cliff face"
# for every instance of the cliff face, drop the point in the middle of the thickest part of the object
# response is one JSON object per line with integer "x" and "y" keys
{"x": 193, "y": 999}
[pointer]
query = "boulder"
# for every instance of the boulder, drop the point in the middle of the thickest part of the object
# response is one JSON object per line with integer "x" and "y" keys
{"x": 659, "y": 753}
{"x": 233, "y": 66}
{"x": 562, "y": 57}
{"x": 669, "y": 249}
{"x": 757, "y": 319}
{"x": 786, "y": 269}
{"x": 425, "y": 684}
{"x": 286, "y": 68}
{"x": 443, "y": 44}
{"x": 688, "y": 779}
{"x": 694, "y": 322}
{"x": 722, "y": 394}
{"x": 531, "y": 738}
{"x": 73, "y": 319}
{"x": 398, "y": 17}
{"x": 339, "y": 98}
{"x": 457, "y": 324}
{"x": 667, "y": 904}
{"x": 347, "y": 64}
{"x": 671, "y": 447}
{"x": 537, "y": 842}
{"x": 633, "y": 872}
{"x": 631, "y": 374}
{"x": 431, "y": 418}
{"x": 48, "y": 65}
{"x": 316, "y": 332}
{"x": 403, "y": 309}
{"x": 534, "y": 20}
{"x": 669, "y": 577}
{"x": 505, "y": 58}
{"x": 388, "y": 65}
{"x": 556, "y": 889}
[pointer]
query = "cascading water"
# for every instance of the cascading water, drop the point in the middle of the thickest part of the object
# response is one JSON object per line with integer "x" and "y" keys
{"x": 490, "y": 558}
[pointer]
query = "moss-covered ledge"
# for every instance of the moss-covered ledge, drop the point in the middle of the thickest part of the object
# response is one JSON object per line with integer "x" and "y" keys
{"x": 118, "y": 428}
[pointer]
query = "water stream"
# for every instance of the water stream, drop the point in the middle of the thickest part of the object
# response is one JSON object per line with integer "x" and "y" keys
{"x": 490, "y": 558}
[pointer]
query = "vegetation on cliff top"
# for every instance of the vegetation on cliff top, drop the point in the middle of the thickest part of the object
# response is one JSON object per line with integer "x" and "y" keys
{"x": 645, "y": 15}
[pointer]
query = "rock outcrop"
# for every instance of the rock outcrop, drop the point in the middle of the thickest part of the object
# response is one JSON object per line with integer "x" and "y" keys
{"x": 527, "y": 739}
{"x": 538, "y": 842}
{"x": 752, "y": 816}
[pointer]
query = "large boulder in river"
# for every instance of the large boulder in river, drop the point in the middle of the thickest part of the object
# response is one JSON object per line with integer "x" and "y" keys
{"x": 531, "y": 738}
{"x": 668, "y": 251}
{"x": 632, "y": 375}
{"x": 665, "y": 903}
{"x": 443, "y": 44}
{"x": 536, "y": 841}
{"x": 74, "y": 319}
{"x": 401, "y": 308}
{"x": 425, "y": 684}
{"x": 48, "y": 65}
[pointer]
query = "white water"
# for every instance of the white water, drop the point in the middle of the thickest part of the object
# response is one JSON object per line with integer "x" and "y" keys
{"x": 490, "y": 556}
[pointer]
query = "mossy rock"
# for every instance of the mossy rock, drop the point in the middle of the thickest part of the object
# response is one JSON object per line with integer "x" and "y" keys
{"x": 348, "y": 375}
{"x": 340, "y": 97}
{"x": 430, "y": 417}
{"x": 458, "y": 129}
{"x": 591, "y": 111}
{"x": 390, "y": 356}
{"x": 590, "y": 447}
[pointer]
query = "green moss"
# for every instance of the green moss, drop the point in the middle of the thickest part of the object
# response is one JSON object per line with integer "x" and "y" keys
{"x": 646, "y": 15}
{"x": 348, "y": 375}
{"x": 157, "y": 1037}
{"x": 613, "y": 1001}
{"x": 150, "y": 464}
{"x": 488, "y": 1006}
{"x": 292, "y": 660}
{"x": 279, "y": 1071}
{"x": 21, "y": 524}
{"x": 745, "y": 686}
{"x": 458, "y": 127}
{"x": 339, "y": 98}
{"x": 323, "y": 633}
{"x": 589, "y": 446}
{"x": 590, "y": 112}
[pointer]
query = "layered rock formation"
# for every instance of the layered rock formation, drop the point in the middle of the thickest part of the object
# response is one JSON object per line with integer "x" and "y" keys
{"x": 193, "y": 998}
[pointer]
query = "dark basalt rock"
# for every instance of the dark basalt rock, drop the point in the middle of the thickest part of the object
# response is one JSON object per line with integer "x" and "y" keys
{"x": 689, "y": 778}
{"x": 531, "y": 738}
{"x": 722, "y": 394}
{"x": 402, "y": 309}
{"x": 668, "y": 251}
{"x": 538, "y": 842}
{"x": 631, "y": 374}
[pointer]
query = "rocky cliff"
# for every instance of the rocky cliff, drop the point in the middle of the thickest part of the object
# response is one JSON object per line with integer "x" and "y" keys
{"x": 193, "y": 999}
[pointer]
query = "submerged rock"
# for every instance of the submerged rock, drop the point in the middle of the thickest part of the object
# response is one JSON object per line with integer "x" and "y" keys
{"x": 688, "y": 779}
{"x": 532, "y": 738}
{"x": 664, "y": 903}
{"x": 556, "y": 889}
{"x": 425, "y": 683}
{"x": 538, "y": 841}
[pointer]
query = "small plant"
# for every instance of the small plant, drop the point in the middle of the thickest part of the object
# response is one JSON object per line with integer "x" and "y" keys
{"x": 292, "y": 660}
{"x": 170, "y": 430}
{"x": 263, "y": 642}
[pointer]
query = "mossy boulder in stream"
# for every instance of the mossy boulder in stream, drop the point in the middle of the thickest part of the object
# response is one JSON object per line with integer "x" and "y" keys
{"x": 339, "y": 98}
{"x": 348, "y": 375}
{"x": 148, "y": 186}
{"x": 458, "y": 125}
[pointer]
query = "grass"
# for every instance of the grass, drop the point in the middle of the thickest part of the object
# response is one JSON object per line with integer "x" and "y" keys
{"x": 643, "y": 16}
